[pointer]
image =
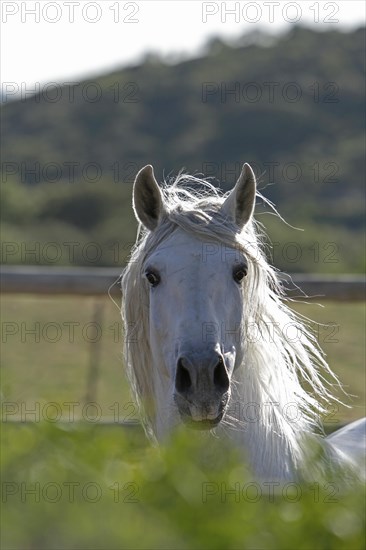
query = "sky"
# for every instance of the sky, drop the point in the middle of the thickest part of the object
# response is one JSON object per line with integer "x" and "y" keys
{"x": 44, "y": 42}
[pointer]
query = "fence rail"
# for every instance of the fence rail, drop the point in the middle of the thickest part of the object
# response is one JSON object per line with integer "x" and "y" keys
{"x": 99, "y": 281}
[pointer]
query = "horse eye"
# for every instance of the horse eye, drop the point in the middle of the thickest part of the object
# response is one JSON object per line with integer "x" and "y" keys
{"x": 153, "y": 278}
{"x": 239, "y": 273}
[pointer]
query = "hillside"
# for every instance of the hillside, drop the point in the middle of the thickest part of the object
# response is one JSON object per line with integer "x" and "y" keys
{"x": 294, "y": 110}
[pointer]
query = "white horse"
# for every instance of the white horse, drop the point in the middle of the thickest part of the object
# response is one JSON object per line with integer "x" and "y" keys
{"x": 210, "y": 342}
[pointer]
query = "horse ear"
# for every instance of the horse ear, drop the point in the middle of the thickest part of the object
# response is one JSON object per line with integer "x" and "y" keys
{"x": 148, "y": 202}
{"x": 239, "y": 205}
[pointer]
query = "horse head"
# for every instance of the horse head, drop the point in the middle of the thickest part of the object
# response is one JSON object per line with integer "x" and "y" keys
{"x": 195, "y": 288}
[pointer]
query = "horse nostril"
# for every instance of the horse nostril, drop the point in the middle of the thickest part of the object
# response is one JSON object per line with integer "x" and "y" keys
{"x": 221, "y": 378}
{"x": 182, "y": 379}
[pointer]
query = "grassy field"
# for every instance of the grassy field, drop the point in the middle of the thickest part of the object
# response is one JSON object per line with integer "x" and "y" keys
{"x": 49, "y": 345}
{"x": 88, "y": 486}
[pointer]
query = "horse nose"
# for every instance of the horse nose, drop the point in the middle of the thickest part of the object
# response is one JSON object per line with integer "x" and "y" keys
{"x": 183, "y": 377}
{"x": 205, "y": 373}
{"x": 221, "y": 377}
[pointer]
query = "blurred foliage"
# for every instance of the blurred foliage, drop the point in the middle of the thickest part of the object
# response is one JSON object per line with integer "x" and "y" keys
{"x": 83, "y": 224}
{"x": 72, "y": 487}
{"x": 289, "y": 105}
{"x": 94, "y": 225}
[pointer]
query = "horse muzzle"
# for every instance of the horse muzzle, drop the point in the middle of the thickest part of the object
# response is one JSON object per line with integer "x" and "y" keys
{"x": 202, "y": 389}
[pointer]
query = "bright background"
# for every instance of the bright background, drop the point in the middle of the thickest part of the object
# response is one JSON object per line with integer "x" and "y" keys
{"x": 175, "y": 29}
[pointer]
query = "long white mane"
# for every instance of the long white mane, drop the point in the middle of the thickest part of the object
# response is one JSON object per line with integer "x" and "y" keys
{"x": 286, "y": 378}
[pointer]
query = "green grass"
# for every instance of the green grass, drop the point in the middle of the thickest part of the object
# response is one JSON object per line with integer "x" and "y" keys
{"x": 340, "y": 328}
{"x": 101, "y": 488}
{"x": 37, "y": 369}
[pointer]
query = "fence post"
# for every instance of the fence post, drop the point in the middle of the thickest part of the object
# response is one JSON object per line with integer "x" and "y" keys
{"x": 94, "y": 354}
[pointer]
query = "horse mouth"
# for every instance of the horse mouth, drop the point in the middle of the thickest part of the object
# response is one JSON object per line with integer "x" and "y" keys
{"x": 206, "y": 424}
{"x": 202, "y": 421}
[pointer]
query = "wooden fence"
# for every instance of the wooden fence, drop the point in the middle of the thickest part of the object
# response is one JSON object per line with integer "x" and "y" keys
{"x": 98, "y": 281}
